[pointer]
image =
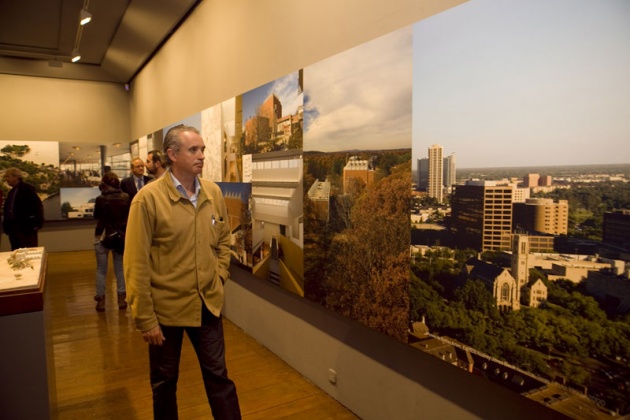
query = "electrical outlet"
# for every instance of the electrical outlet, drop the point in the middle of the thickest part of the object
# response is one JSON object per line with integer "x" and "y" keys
{"x": 332, "y": 376}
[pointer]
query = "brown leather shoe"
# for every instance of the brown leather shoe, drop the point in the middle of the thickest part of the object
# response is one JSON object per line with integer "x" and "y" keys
{"x": 122, "y": 303}
{"x": 100, "y": 303}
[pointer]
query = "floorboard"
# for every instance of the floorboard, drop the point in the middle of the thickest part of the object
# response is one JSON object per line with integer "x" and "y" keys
{"x": 101, "y": 362}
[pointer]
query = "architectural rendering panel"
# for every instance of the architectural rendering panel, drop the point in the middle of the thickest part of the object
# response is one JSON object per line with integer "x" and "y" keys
{"x": 39, "y": 163}
{"x": 238, "y": 201}
{"x": 272, "y": 116}
{"x": 78, "y": 203}
{"x": 357, "y": 144}
{"x": 277, "y": 225}
{"x": 212, "y": 139}
{"x": 79, "y": 165}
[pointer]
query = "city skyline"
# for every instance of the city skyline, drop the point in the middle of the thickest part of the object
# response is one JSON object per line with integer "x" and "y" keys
{"x": 517, "y": 83}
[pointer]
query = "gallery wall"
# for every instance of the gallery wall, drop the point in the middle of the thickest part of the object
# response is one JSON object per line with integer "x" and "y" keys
{"x": 178, "y": 85}
{"x": 41, "y": 109}
{"x": 230, "y": 58}
{"x": 228, "y": 48}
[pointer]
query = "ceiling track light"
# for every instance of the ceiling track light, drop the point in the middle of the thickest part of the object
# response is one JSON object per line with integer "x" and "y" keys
{"x": 76, "y": 56}
{"x": 86, "y": 17}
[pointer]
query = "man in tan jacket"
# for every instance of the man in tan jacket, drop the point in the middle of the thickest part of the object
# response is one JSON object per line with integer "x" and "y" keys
{"x": 176, "y": 261}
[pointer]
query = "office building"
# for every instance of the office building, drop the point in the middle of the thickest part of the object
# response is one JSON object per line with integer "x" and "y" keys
{"x": 616, "y": 228}
{"x": 531, "y": 180}
{"x": 358, "y": 169}
{"x": 423, "y": 174}
{"x": 481, "y": 215}
{"x": 319, "y": 194}
{"x": 520, "y": 194}
{"x": 542, "y": 215}
{"x": 435, "y": 186}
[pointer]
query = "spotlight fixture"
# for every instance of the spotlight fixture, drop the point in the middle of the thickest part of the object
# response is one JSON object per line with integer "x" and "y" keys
{"x": 76, "y": 56}
{"x": 86, "y": 17}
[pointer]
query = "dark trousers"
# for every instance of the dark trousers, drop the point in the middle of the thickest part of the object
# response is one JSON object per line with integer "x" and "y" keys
{"x": 23, "y": 239}
{"x": 209, "y": 345}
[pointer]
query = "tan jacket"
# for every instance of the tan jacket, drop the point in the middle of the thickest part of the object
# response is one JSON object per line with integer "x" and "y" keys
{"x": 176, "y": 256}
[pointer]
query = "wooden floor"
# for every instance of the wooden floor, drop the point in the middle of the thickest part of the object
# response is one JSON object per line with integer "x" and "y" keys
{"x": 101, "y": 362}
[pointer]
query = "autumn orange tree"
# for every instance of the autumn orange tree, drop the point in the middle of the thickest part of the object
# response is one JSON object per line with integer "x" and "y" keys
{"x": 369, "y": 277}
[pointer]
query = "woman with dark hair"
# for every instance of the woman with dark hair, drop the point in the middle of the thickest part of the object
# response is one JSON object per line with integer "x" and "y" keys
{"x": 111, "y": 211}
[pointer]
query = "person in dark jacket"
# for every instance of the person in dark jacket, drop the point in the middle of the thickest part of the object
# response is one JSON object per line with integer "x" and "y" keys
{"x": 132, "y": 184}
{"x": 110, "y": 210}
{"x": 23, "y": 211}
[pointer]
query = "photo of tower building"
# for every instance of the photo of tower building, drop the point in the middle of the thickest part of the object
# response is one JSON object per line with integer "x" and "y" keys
{"x": 542, "y": 215}
{"x": 436, "y": 168}
{"x": 482, "y": 215}
{"x": 450, "y": 176}
{"x": 423, "y": 174}
{"x": 357, "y": 169}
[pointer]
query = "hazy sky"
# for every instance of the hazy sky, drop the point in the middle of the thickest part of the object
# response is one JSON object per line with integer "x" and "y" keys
{"x": 78, "y": 196}
{"x": 46, "y": 152}
{"x": 361, "y": 98}
{"x": 524, "y": 83}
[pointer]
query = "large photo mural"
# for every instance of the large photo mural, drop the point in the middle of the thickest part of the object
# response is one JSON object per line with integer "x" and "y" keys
{"x": 446, "y": 184}
{"x": 455, "y": 185}
{"x": 518, "y": 128}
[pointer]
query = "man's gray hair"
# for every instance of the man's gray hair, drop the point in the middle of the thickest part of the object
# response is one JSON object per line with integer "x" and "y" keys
{"x": 172, "y": 140}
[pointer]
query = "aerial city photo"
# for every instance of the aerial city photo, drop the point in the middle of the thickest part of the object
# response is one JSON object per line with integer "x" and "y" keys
{"x": 520, "y": 215}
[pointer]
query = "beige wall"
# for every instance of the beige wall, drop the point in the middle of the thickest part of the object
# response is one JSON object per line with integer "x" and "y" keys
{"x": 36, "y": 108}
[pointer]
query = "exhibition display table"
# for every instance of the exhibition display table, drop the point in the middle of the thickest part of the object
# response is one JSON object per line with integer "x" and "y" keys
{"x": 26, "y": 363}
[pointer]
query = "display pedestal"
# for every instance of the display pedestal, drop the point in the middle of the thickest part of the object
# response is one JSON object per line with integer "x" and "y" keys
{"x": 27, "y": 387}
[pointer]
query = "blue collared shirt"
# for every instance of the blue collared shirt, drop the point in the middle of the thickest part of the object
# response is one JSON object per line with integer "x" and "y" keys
{"x": 183, "y": 192}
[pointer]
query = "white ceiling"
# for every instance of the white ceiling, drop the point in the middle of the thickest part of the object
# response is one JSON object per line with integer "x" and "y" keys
{"x": 121, "y": 37}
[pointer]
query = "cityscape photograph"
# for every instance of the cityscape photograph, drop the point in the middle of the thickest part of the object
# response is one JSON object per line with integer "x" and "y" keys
{"x": 520, "y": 216}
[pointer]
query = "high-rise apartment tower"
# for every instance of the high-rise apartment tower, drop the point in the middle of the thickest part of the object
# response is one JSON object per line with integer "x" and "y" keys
{"x": 436, "y": 172}
{"x": 449, "y": 171}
